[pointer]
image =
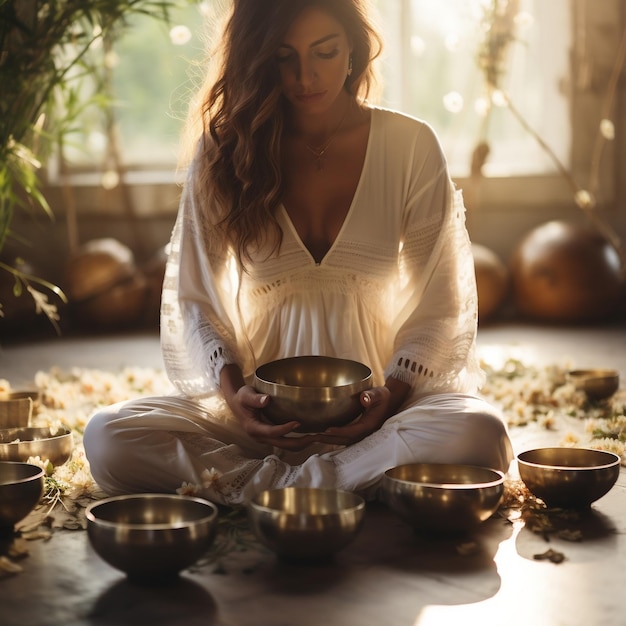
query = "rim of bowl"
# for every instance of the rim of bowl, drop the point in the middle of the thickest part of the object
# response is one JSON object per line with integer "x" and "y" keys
{"x": 593, "y": 373}
{"x": 366, "y": 378}
{"x": 91, "y": 516}
{"x": 64, "y": 431}
{"x": 26, "y": 479}
{"x": 616, "y": 459}
{"x": 489, "y": 483}
{"x": 22, "y": 394}
{"x": 359, "y": 501}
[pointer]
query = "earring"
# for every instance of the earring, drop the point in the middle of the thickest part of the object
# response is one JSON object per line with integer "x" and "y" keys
{"x": 350, "y": 66}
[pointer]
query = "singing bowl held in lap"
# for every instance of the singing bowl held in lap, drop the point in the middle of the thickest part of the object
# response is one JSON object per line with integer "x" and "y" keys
{"x": 304, "y": 523}
{"x": 441, "y": 497}
{"x": 151, "y": 537}
{"x": 21, "y": 488}
{"x": 568, "y": 477}
{"x": 317, "y": 391}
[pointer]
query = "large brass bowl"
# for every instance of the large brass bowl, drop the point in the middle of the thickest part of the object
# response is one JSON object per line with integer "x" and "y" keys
{"x": 151, "y": 537}
{"x": 317, "y": 391}
{"x": 19, "y": 444}
{"x": 597, "y": 384}
{"x": 306, "y": 524}
{"x": 568, "y": 477}
{"x": 442, "y": 498}
{"x": 21, "y": 488}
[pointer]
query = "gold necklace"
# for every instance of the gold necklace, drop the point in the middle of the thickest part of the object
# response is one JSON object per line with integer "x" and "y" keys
{"x": 319, "y": 153}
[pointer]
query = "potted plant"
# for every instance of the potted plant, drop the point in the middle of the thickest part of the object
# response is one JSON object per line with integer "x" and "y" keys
{"x": 49, "y": 73}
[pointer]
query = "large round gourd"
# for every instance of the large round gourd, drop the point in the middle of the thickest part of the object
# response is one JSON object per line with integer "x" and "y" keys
{"x": 564, "y": 272}
{"x": 492, "y": 281}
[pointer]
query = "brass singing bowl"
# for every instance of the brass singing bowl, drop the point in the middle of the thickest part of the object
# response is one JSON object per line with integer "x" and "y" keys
{"x": 21, "y": 488}
{"x": 299, "y": 523}
{"x": 597, "y": 384}
{"x": 317, "y": 391}
{"x": 568, "y": 477}
{"x": 19, "y": 444}
{"x": 151, "y": 537}
{"x": 16, "y": 408}
{"x": 441, "y": 497}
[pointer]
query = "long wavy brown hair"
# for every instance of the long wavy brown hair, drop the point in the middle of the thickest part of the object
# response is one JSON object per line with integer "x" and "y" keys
{"x": 241, "y": 111}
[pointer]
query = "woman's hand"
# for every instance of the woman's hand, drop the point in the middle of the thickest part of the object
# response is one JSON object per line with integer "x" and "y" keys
{"x": 379, "y": 404}
{"x": 247, "y": 406}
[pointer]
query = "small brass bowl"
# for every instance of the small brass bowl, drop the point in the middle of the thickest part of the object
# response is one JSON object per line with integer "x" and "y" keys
{"x": 151, "y": 537}
{"x": 317, "y": 391}
{"x": 16, "y": 408}
{"x": 568, "y": 477}
{"x": 306, "y": 524}
{"x": 21, "y": 488}
{"x": 19, "y": 444}
{"x": 597, "y": 384}
{"x": 442, "y": 498}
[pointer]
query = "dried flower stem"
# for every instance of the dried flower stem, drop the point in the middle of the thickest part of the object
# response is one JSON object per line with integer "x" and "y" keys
{"x": 606, "y": 112}
{"x": 600, "y": 223}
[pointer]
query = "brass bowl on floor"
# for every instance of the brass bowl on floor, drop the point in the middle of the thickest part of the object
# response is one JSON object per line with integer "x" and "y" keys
{"x": 21, "y": 488}
{"x": 598, "y": 384}
{"x": 317, "y": 391}
{"x": 19, "y": 444}
{"x": 16, "y": 408}
{"x": 568, "y": 477}
{"x": 306, "y": 524}
{"x": 151, "y": 537}
{"x": 442, "y": 498}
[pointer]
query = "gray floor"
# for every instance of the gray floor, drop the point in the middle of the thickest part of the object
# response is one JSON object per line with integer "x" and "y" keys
{"x": 388, "y": 576}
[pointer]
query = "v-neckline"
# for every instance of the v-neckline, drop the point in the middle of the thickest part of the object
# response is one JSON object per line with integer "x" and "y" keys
{"x": 357, "y": 190}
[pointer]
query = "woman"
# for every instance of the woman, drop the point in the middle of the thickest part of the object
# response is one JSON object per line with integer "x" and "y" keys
{"x": 311, "y": 223}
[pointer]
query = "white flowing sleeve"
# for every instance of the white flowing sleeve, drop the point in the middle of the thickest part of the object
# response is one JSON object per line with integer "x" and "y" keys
{"x": 436, "y": 322}
{"x": 198, "y": 304}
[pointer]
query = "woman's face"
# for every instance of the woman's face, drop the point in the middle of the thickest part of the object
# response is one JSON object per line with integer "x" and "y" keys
{"x": 313, "y": 61}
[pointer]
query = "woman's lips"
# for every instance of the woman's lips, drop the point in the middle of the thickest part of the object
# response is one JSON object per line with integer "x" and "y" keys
{"x": 310, "y": 97}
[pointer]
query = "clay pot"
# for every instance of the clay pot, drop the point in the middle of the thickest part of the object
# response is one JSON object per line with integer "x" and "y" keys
{"x": 563, "y": 272}
{"x": 492, "y": 281}
{"x": 121, "y": 306}
{"x": 96, "y": 267}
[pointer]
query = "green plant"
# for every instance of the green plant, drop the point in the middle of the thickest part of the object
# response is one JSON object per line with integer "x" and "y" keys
{"x": 49, "y": 71}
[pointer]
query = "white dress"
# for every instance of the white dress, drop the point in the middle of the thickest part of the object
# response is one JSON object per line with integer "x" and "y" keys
{"x": 395, "y": 291}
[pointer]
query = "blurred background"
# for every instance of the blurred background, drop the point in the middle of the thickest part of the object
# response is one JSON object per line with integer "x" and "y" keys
{"x": 528, "y": 98}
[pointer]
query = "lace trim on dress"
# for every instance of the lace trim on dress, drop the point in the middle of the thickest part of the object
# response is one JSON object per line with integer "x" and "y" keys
{"x": 440, "y": 356}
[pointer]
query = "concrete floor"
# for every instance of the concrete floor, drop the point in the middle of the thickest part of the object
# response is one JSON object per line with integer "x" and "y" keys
{"x": 388, "y": 576}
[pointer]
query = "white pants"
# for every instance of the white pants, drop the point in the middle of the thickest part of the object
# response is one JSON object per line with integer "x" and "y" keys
{"x": 158, "y": 444}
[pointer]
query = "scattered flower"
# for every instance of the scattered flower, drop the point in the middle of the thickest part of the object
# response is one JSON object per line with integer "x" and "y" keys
{"x": 550, "y": 555}
{"x": 189, "y": 489}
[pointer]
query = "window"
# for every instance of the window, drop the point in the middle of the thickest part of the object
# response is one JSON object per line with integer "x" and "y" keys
{"x": 428, "y": 69}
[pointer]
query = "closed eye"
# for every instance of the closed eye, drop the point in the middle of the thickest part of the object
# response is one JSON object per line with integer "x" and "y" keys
{"x": 327, "y": 55}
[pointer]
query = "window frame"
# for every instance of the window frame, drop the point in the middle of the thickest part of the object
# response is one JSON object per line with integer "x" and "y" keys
{"x": 594, "y": 47}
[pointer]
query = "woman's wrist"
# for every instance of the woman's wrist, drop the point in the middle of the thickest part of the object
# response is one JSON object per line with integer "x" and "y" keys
{"x": 231, "y": 380}
{"x": 398, "y": 391}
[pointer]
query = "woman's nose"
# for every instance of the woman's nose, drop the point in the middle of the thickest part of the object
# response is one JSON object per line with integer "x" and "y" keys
{"x": 305, "y": 72}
